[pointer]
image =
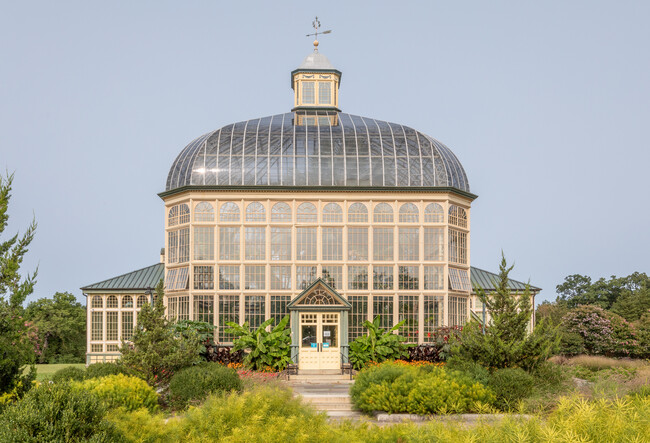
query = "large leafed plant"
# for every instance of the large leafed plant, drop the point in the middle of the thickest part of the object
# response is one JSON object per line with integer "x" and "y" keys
{"x": 378, "y": 345}
{"x": 265, "y": 348}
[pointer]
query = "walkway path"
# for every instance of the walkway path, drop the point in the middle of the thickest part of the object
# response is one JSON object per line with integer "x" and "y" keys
{"x": 325, "y": 392}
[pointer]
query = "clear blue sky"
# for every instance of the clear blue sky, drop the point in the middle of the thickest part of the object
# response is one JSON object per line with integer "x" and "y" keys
{"x": 546, "y": 104}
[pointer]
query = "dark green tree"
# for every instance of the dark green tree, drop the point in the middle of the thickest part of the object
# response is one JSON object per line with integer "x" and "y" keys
{"x": 16, "y": 349}
{"x": 579, "y": 290}
{"x": 507, "y": 341}
{"x": 60, "y": 322}
{"x": 156, "y": 352}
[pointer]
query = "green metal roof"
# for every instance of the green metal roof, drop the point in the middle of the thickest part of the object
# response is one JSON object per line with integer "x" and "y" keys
{"x": 487, "y": 280}
{"x": 150, "y": 276}
{"x": 141, "y": 279}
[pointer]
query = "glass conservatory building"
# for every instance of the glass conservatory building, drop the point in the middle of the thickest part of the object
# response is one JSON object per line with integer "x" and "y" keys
{"x": 325, "y": 216}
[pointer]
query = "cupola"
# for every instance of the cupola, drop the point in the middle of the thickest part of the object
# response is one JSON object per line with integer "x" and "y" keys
{"x": 316, "y": 83}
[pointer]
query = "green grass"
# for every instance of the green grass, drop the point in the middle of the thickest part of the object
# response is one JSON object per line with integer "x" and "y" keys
{"x": 46, "y": 371}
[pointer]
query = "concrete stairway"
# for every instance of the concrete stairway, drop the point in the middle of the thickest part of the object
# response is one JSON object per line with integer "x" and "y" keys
{"x": 328, "y": 392}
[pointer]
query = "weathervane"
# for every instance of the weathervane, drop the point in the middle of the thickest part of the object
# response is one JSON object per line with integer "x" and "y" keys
{"x": 316, "y": 25}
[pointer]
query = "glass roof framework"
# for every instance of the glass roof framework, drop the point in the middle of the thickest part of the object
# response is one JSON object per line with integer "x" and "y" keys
{"x": 353, "y": 152}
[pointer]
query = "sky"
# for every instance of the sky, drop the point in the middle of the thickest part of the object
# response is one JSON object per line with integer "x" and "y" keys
{"x": 546, "y": 105}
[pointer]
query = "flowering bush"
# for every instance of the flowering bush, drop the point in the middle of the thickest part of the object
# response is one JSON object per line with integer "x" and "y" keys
{"x": 600, "y": 332}
{"x": 438, "y": 347}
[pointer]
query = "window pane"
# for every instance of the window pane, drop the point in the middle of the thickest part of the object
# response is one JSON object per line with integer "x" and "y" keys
{"x": 203, "y": 243}
{"x": 324, "y": 93}
{"x": 408, "y": 277}
{"x": 203, "y": 212}
{"x": 357, "y": 277}
{"x": 184, "y": 245}
{"x": 281, "y": 212}
{"x": 333, "y": 276}
{"x": 306, "y": 244}
{"x": 305, "y": 275}
{"x": 332, "y": 213}
{"x": 457, "y": 246}
{"x": 229, "y": 243}
{"x": 433, "y": 213}
{"x": 409, "y": 244}
{"x": 97, "y": 326}
{"x": 255, "y": 212}
{"x": 408, "y": 311}
{"x": 111, "y": 325}
{"x": 358, "y": 315}
{"x": 332, "y": 243}
{"x": 383, "y": 213}
{"x": 382, "y": 277}
{"x": 434, "y": 244}
{"x": 280, "y": 277}
{"x": 279, "y": 307}
{"x": 357, "y": 244}
{"x": 280, "y": 243}
{"x": 255, "y": 277}
{"x": 254, "y": 311}
{"x": 383, "y": 306}
{"x": 433, "y": 278}
{"x": 228, "y": 277}
{"x": 308, "y": 93}
{"x": 228, "y": 312}
{"x": 255, "y": 243}
{"x": 408, "y": 213}
{"x": 433, "y": 316}
{"x": 203, "y": 277}
{"x": 306, "y": 213}
{"x": 127, "y": 325}
{"x": 358, "y": 213}
{"x": 383, "y": 244}
{"x": 229, "y": 212}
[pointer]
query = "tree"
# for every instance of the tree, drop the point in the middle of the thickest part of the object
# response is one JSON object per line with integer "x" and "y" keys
{"x": 156, "y": 352}
{"x": 16, "y": 350}
{"x": 506, "y": 341}
{"x": 579, "y": 290}
{"x": 60, "y": 322}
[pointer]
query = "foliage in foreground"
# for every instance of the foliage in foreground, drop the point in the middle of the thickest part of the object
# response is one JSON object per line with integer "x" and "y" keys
{"x": 378, "y": 345}
{"x": 418, "y": 390}
{"x": 266, "y": 348}
{"x": 192, "y": 385}
{"x": 272, "y": 415}
{"x": 506, "y": 341}
{"x": 155, "y": 352}
{"x": 16, "y": 344}
{"x": 121, "y": 391}
{"x": 55, "y": 413}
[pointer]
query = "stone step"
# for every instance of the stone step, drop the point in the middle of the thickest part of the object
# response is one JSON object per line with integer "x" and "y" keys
{"x": 319, "y": 372}
{"x": 333, "y": 407}
{"x": 341, "y": 415}
{"x": 325, "y": 399}
{"x": 321, "y": 378}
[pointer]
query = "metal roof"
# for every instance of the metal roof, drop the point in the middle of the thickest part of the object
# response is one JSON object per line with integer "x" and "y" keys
{"x": 141, "y": 279}
{"x": 488, "y": 280}
{"x": 316, "y": 60}
{"x": 150, "y": 276}
{"x": 341, "y": 150}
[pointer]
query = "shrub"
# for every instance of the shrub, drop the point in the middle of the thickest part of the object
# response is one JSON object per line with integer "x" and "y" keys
{"x": 97, "y": 370}
{"x": 510, "y": 386}
{"x": 399, "y": 388}
{"x": 592, "y": 324}
{"x": 120, "y": 390}
{"x": 377, "y": 345}
{"x": 472, "y": 369}
{"x": 224, "y": 355}
{"x": 69, "y": 373}
{"x": 265, "y": 348}
{"x": 194, "y": 384}
{"x": 439, "y": 348}
{"x": 53, "y": 412}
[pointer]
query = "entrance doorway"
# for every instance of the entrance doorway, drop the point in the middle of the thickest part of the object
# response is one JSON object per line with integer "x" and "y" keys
{"x": 320, "y": 340}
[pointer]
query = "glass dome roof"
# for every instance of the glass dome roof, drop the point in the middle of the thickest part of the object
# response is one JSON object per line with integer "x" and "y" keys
{"x": 341, "y": 150}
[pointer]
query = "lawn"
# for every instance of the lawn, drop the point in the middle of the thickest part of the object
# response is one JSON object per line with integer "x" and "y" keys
{"x": 46, "y": 371}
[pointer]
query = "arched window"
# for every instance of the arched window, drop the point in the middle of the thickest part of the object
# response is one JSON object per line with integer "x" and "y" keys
{"x": 457, "y": 216}
{"x": 306, "y": 213}
{"x": 281, "y": 212}
{"x": 172, "y": 218}
{"x": 332, "y": 213}
{"x": 433, "y": 213}
{"x": 127, "y": 301}
{"x": 203, "y": 212}
{"x": 255, "y": 212}
{"x": 383, "y": 213}
{"x": 229, "y": 212}
{"x": 97, "y": 302}
{"x": 183, "y": 214}
{"x": 408, "y": 213}
{"x": 357, "y": 212}
{"x": 111, "y": 302}
{"x": 141, "y": 301}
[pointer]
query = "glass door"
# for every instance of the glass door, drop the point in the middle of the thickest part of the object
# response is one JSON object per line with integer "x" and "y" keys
{"x": 319, "y": 341}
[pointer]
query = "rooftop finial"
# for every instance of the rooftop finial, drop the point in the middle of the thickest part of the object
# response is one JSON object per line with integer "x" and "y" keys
{"x": 316, "y": 26}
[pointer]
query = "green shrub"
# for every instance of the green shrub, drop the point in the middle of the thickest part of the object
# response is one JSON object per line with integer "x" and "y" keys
{"x": 470, "y": 368}
{"x": 266, "y": 348}
{"x": 378, "y": 345}
{"x": 549, "y": 375}
{"x": 69, "y": 373}
{"x": 97, "y": 370}
{"x": 395, "y": 388}
{"x": 53, "y": 412}
{"x": 123, "y": 391}
{"x": 510, "y": 386}
{"x": 194, "y": 384}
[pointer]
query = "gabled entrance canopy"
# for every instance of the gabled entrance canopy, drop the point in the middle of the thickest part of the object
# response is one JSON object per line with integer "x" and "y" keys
{"x": 319, "y": 296}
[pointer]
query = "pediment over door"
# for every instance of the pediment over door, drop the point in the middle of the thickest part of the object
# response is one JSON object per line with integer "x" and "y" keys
{"x": 319, "y": 296}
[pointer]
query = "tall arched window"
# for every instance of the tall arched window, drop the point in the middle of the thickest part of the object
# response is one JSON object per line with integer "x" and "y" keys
{"x": 127, "y": 301}
{"x": 281, "y": 212}
{"x": 306, "y": 213}
{"x": 111, "y": 302}
{"x": 97, "y": 302}
{"x": 255, "y": 212}
{"x": 332, "y": 213}
{"x": 433, "y": 213}
{"x": 183, "y": 214}
{"x": 409, "y": 213}
{"x": 229, "y": 212}
{"x": 204, "y": 212}
{"x": 457, "y": 216}
{"x": 141, "y": 301}
{"x": 357, "y": 212}
{"x": 172, "y": 218}
{"x": 383, "y": 213}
